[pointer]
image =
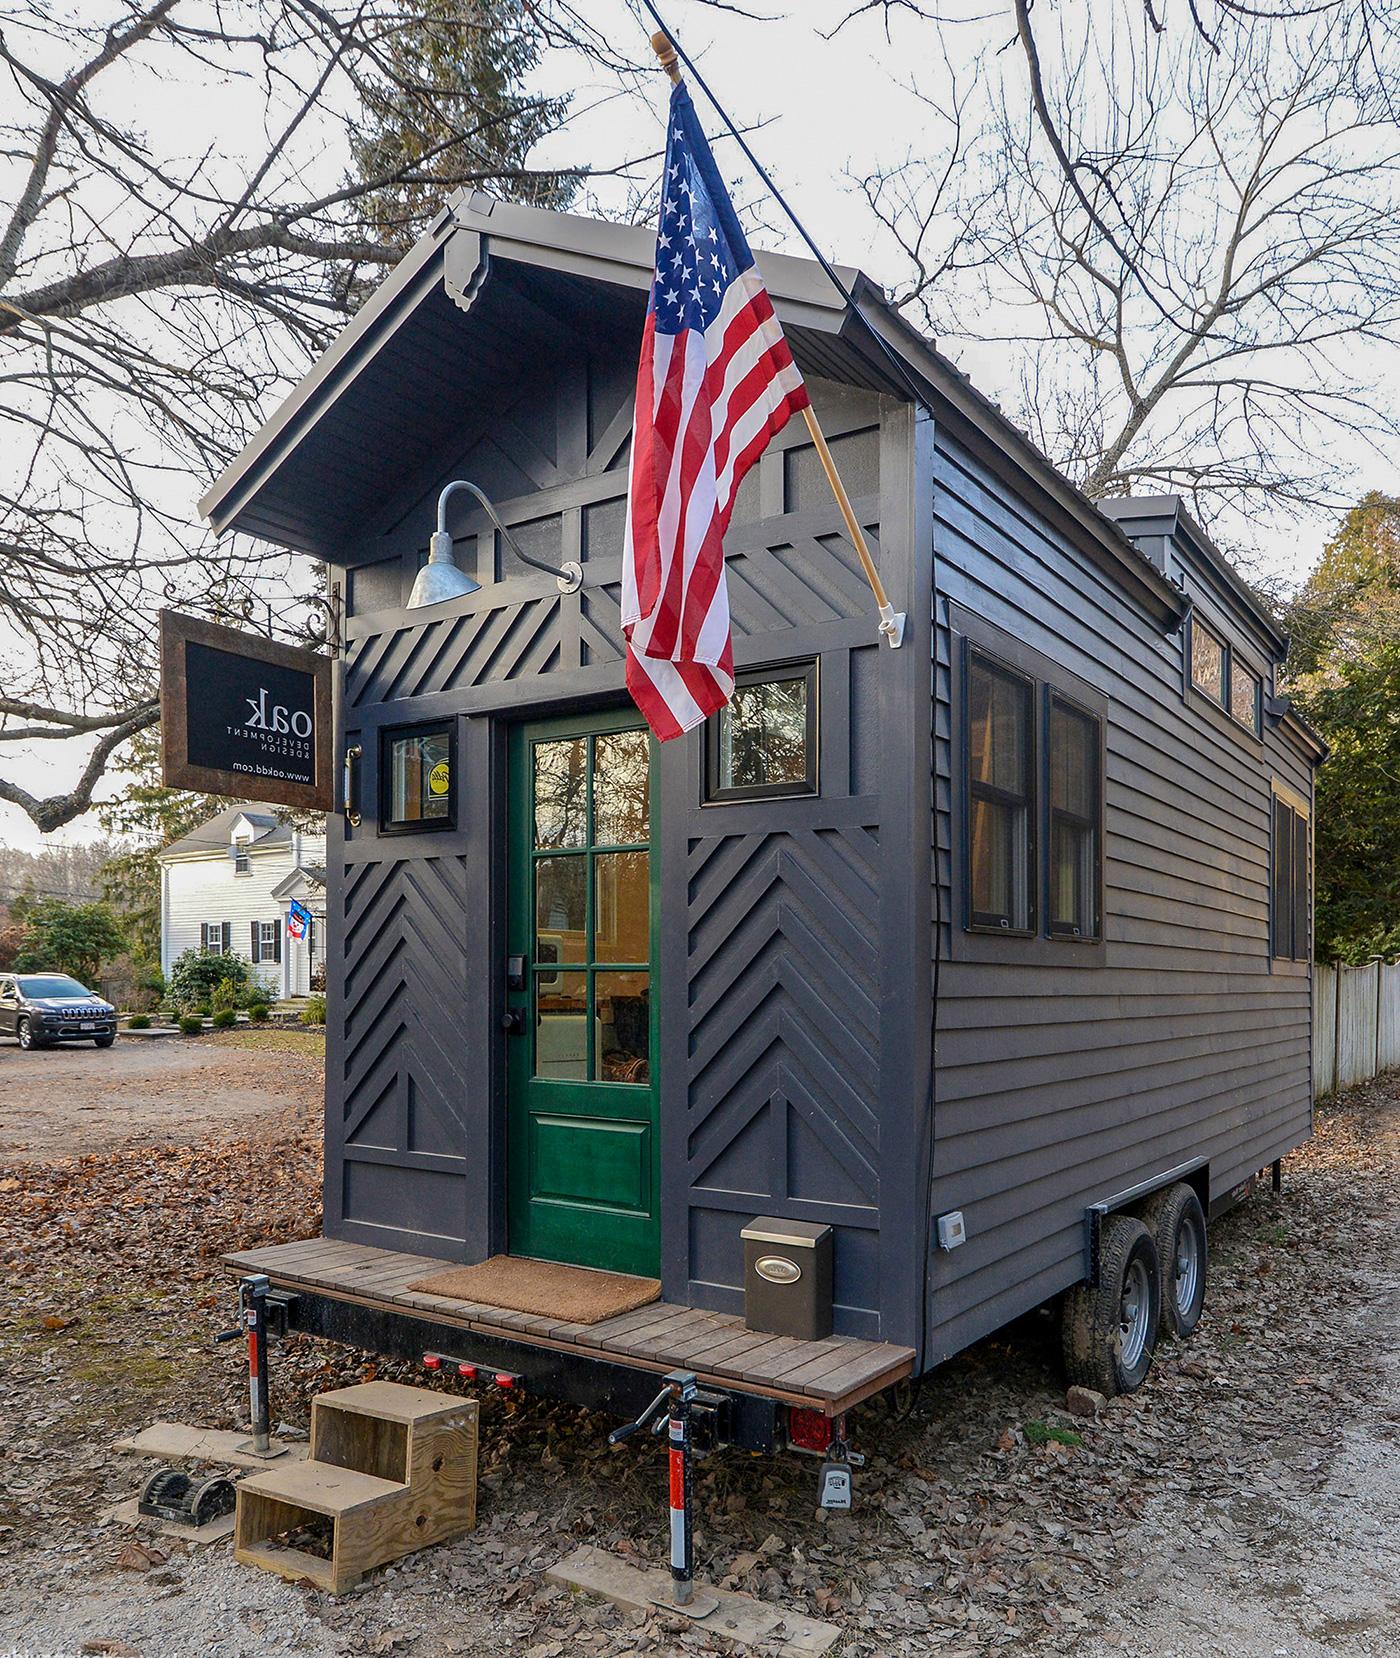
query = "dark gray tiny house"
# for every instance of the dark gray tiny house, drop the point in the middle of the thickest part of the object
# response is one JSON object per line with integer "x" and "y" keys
{"x": 1036, "y": 806}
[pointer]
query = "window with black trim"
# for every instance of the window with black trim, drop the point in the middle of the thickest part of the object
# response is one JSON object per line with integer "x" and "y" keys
{"x": 1000, "y": 796}
{"x": 1218, "y": 673}
{"x": 417, "y": 775}
{"x": 266, "y": 941}
{"x": 764, "y": 744}
{"x": 1290, "y": 883}
{"x": 1075, "y": 807}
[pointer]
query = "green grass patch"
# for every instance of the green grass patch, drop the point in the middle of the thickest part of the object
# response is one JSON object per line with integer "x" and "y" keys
{"x": 1041, "y": 1433}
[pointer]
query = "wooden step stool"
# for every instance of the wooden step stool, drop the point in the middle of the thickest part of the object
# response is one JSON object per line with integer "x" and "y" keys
{"x": 392, "y": 1467}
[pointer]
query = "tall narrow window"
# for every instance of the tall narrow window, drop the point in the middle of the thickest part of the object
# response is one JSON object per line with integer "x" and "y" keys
{"x": 1001, "y": 837}
{"x": 1075, "y": 795}
{"x": 1207, "y": 662}
{"x": 1291, "y": 886}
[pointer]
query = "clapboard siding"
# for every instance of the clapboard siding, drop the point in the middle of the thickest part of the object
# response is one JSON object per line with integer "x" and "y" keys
{"x": 1061, "y": 1082}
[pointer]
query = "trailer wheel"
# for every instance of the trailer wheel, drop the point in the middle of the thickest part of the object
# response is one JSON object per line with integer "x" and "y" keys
{"x": 1178, "y": 1226}
{"x": 1110, "y": 1328}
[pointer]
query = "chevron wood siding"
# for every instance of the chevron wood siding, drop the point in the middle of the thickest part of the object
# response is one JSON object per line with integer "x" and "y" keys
{"x": 774, "y": 1064}
{"x": 784, "y": 1045}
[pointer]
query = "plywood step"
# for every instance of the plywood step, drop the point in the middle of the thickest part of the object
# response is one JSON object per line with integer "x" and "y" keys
{"x": 392, "y": 1468}
{"x": 323, "y": 1488}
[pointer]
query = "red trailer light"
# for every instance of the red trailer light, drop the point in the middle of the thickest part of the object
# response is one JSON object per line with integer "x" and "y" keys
{"x": 467, "y": 1372}
{"x": 809, "y": 1430}
{"x": 432, "y": 1361}
{"x": 505, "y": 1380}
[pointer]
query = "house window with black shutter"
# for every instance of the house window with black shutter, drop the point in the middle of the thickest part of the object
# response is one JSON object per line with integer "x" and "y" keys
{"x": 266, "y": 941}
{"x": 215, "y": 939}
{"x": 1291, "y": 886}
{"x": 1001, "y": 796}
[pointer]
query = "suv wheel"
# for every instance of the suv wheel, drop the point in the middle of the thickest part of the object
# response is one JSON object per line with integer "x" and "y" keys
{"x": 27, "y": 1038}
{"x": 103, "y": 1041}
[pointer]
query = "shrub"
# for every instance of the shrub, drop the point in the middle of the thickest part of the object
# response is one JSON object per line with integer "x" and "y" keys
{"x": 226, "y": 994}
{"x": 258, "y": 1012}
{"x": 191, "y": 1024}
{"x": 314, "y": 1013}
{"x": 202, "y": 1009}
{"x": 198, "y": 977}
{"x": 225, "y": 1019}
{"x": 139, "y": 1021}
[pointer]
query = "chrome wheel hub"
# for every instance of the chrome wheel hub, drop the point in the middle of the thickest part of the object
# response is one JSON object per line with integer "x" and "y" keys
{"x": 1134, "y": 1315}
{"x": 1188, "y": 1266}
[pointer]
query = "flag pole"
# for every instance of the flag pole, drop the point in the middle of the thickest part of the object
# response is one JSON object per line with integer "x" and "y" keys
{"x": 891, "y": 621}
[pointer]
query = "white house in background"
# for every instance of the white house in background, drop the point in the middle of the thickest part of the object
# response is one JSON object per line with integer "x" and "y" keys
{"x": 229, "y": 886}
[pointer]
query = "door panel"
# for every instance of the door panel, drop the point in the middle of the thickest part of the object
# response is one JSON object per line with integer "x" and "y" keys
{"x": 583, "y": 1142}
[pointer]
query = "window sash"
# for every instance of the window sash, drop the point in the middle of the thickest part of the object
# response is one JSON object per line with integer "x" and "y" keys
{"x": 406, "y": 803}
{"x": 1080, "y": 834}
{"x": 1000, "y": 863}
{"x": 719, "y": 729}
{"x": 1291, "y": 888}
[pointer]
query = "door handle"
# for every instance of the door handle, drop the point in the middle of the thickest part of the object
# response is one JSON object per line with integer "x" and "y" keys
{"x": 348, "y": 793}
{"x": 513, "y": 1021}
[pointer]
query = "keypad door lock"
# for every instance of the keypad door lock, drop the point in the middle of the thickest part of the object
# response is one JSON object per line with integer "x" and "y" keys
{"x": 515, "y": 972}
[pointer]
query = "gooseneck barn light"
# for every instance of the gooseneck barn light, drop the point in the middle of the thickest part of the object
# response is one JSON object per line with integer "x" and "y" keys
{"x": 440, "y": 579}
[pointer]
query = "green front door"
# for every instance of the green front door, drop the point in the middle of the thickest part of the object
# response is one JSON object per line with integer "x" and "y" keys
{"x": 584, "y": 1157}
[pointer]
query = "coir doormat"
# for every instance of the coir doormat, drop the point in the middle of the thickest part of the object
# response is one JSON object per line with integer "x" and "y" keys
{"x": 548, "y": 1288}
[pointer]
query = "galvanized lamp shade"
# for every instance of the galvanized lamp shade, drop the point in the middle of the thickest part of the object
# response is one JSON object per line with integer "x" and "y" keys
{"x": 440, "y": 579}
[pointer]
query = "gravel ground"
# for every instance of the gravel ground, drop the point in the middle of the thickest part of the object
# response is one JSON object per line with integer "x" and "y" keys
{"x": 72, "y": 1099}
{"x": 1246, "y": 1501}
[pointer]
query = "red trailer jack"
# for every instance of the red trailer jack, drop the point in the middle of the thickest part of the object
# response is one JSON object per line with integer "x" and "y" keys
{"x": 253, "y": 1294}
{"x": 676, "y": 1399}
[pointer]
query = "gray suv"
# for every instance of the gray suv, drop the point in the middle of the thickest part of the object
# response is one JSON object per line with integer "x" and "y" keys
{"x": 40, "y": 1008}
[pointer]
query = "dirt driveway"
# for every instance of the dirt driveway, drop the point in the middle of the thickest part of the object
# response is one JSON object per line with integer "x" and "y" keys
{"x": 1244, "y": 1504}
{"x": 72, "y": 1100}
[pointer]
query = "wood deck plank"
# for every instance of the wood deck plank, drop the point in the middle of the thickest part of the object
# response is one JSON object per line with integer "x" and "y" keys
{"x": 834, "y": 1372}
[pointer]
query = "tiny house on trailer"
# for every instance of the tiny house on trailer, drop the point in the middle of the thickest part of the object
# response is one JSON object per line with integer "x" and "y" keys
{"x": 981, "y": 963}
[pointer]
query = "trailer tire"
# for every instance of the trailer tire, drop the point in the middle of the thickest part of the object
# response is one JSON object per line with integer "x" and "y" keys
{"x": 1110, "y": 1328}
{"x": 1178, "y": 1226}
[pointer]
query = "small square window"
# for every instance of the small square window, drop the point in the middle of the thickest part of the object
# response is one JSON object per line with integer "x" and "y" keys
{"x": 1207, "y": 663}
{"x": 417, "y": 779}
{"x": 1244, "y": 695}
{"x": 764, "y": 743}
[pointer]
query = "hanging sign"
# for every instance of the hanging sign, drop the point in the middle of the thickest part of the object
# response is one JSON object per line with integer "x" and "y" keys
{"x": 244, "y": 716}
{"x": 298, "y": 920}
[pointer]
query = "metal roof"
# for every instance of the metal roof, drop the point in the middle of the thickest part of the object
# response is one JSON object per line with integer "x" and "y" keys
{"x": 369, "y": 413}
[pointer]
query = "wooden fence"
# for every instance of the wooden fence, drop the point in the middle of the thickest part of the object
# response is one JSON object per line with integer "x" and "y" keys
{"x": 1356, "y": 1023}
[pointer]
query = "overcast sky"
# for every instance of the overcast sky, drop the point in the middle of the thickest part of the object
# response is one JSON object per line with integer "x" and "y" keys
{"x": 826, "y": 110}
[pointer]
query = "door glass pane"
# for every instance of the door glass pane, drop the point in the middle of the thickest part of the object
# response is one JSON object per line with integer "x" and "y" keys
{"x": 624, "y": 1021}
{"x": 561, "y": 792}
{"x": 561, "y": 891}
{"x": 561, "y": 1026}
{"x": 1072, "y": 762}
{"x": 620, "y": 777}
{"x": 621, "y": 907}
{"x": 998, "y": 728}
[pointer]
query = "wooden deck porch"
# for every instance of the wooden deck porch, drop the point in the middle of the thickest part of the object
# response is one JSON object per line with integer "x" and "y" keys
{"x": 829, "y": 1375}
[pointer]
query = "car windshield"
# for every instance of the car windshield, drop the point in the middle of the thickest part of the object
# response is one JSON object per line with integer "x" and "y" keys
{"x": 52, "y": 985}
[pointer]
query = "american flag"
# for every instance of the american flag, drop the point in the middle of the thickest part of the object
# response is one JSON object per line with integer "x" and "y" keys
{"x": 716, "y": 382}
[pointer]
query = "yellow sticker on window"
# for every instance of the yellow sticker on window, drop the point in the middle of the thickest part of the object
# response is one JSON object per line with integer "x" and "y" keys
{"x": 438, "y": 778}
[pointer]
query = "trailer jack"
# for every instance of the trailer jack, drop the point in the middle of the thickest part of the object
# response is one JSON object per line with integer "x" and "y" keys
{"x": 673, "y": 1412}
{"x": 262, "y": 1313}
